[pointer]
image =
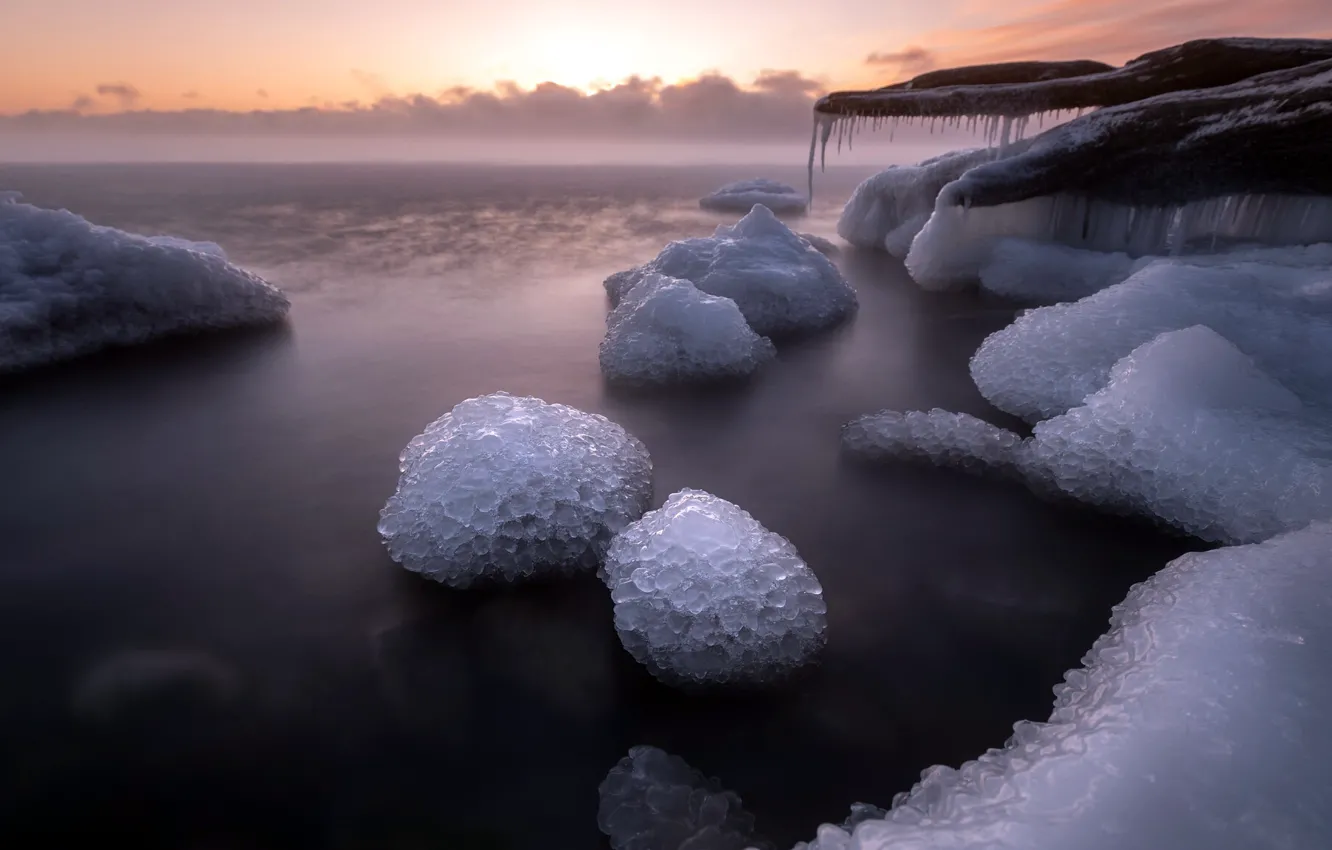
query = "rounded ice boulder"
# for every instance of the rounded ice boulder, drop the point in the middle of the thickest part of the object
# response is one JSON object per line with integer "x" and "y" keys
{"x": 781, "y": 283}
{"x": 667, "y": 331}
{"x": 742, "y": 195}
{"x": 705, "y": 594}
{"x": 506, "y": 487}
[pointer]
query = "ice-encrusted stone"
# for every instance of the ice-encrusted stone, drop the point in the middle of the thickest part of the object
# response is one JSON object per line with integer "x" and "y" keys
{"x": 939, "y": 437}
{"x": 826, "y": 247}
{"x": 1047, "y": 273}
{"x": 1274, "y": 305}
{"x": 666, "y": 331}
{"x": 68, "y": 287}
{"x": 741, "y": 197}
{"x": 1196, "y": 721}
{"x": 781, "y": 284}
{"x": 704, "y": 593}
{"x": 504, "y": 487}
{"x": 652, "y": 800}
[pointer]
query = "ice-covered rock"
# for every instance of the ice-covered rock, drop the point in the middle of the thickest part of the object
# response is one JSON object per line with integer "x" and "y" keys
{"x": 939, "y": 437}
{"x": 1046, "y": 273}
{"x": 826, "y": 247}
{"x": 666, "y": 331}
{"x": 704, "y": 593}
{"x": 782, "y": 285}
{"x": 504, "y": 487}
{"x": 743, "y": 195}
{"x": 652, "y": 800}
{"x": 1197, "y": 721}
{"x": 1278, "y": 311}
{"x": 68, "y": 287}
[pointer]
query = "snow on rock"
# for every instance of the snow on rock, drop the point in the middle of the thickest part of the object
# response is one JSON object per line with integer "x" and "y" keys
{"x": 704, "y": 593}
{"x": 505, "y": 487}
{"x": 1275, "y": 305}
{"x": 742, "y": 196}
{"x": 939, "y": 437}
{"x": 1196, "y": 721}
{"x": 781, "y": 284}
{"x": 652, "y": 800}
{"x": 666, "y": 331}
{"x": 68, "y": 287}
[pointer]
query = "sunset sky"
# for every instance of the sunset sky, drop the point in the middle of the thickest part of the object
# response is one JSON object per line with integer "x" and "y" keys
{"x": 91, "y": 57}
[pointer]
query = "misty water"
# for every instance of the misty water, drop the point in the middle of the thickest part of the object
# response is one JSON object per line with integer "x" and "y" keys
{"x": 216, "y": 499}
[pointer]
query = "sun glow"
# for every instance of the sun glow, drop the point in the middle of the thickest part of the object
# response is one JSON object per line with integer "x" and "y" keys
{"x": 579, "y": 57}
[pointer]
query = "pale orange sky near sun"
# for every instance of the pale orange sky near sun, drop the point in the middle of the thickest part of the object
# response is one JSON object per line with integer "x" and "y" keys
{"x": 259, "y": 54}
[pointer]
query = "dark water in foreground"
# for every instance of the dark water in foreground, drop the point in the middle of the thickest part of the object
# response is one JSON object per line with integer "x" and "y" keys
{"x": 218, "y": 498}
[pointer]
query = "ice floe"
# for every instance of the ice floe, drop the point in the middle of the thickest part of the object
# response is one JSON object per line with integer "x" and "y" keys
{"x": 741, "y": 197}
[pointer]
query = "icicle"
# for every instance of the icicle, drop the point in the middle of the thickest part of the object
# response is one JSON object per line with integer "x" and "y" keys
{"x": 813, "y": 143}
{"x": 828, "y": 123}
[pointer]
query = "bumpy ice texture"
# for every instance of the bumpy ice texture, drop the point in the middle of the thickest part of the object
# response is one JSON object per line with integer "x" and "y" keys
{"x": 938, "y": 437}
{"x": 704, "y": 593}
{"x": 666, "y": 331}
{"x": 503, "y": 487}
{"x": 743, "y": 195}
{"x": 782, "y": 285}
{"x": 1197, "y": 721}
{"x": 68, "y": 287}
{"x": 652, "y": 800}
{"x": 1045, "y": 273}
{"x": 1052, "y": 358}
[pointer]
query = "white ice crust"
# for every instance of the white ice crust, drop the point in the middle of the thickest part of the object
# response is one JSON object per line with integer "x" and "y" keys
{"x": 704, "y": 593}
{"x": 505, "y": 487}
{"x": 743, "y": 195}
{"x": 666, "y": 331}
{"x": 782, "y": 285}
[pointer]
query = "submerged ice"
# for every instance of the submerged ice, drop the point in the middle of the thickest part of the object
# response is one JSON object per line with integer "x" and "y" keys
{"x": 938, "y": 436}
{"x": 743, "y": 195}
{"x": 782, "y": 285}
{"x": 505, "y": 487}
{"x": 666, "y": 331}
{"x": 704, "y": 593}
{"x": 68, "y": 287}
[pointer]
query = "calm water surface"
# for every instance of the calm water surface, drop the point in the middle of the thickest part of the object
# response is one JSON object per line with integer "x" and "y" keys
{"x": 217, "y": 499}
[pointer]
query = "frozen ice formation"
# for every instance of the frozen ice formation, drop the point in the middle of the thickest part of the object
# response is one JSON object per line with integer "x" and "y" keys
{"x": 938, "y": 437}
{"x": 652, "y": 800}
{"x": 666, "y": 331}
{"x": 68, "y": 287}
{"x": 133, "y": 677}
{"x": 743, "y": 195}
{"x": 1048, "y": 273}
{"x": 782, "y": 285}
{"x": 826, "y": 247}
{"x": 1275, "y": 305}
{"x": 505, "y": 487}
{"x": 704, "y": 593}
{"x": 1196, "y": 721}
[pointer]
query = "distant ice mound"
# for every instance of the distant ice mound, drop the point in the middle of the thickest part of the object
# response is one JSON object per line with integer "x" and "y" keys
{"x": 1052, "y": 358}
{"x": 782, "y": 285}
{"x": 743, "y": 195}
{"x": 939, "y": 437}
{"x": 652, "y": 800}
{"x": 1197, "y": 721}
{"x": 666, "y": 331}
{"x": 887, "y": 211}
{"x": 503, "y": 487}
{"x": 704, "y": 593}
{"x": 68, "y": 287}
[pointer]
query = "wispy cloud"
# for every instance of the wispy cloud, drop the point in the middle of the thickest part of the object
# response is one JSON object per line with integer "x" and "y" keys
{"x": 910, "y": 60}
{"x": 124, "y": 92}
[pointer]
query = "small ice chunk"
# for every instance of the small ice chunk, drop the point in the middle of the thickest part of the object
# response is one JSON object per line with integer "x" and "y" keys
{"x": 826, "y": 247}
{"x": 652, "y": 800}
{"x": 68, "y": 287}
{"x": 743, "y": 195}
{"x": 939, "y": 437}
{"x": 665, "y": 331}
{"x": 704, "y": 593}
{"x": 781, "y": 284}
{"x": 505, "y": 487}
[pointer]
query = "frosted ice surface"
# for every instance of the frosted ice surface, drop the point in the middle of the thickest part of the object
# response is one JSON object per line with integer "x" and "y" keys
{"x": 1047, "y": 273}
{"x": 1197, "y": 722}
{"x": 887, "y": 211}
{"x": 652, "y": 800}
{"x": 189, "y": 245}
{"x": 782, "y": 285}
{"x": 68, "y": 287}
{"x": 743, "y": 195}
{"x": 1188, "y": 429}
{"x": 938, "y": 436}
{"x": 826, "y": 247}
{"x": 505, "y": 487}
{"x": 666, "y": 331}
{"x": 704, "y": 593}
{"x": 1051, "y": 358}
